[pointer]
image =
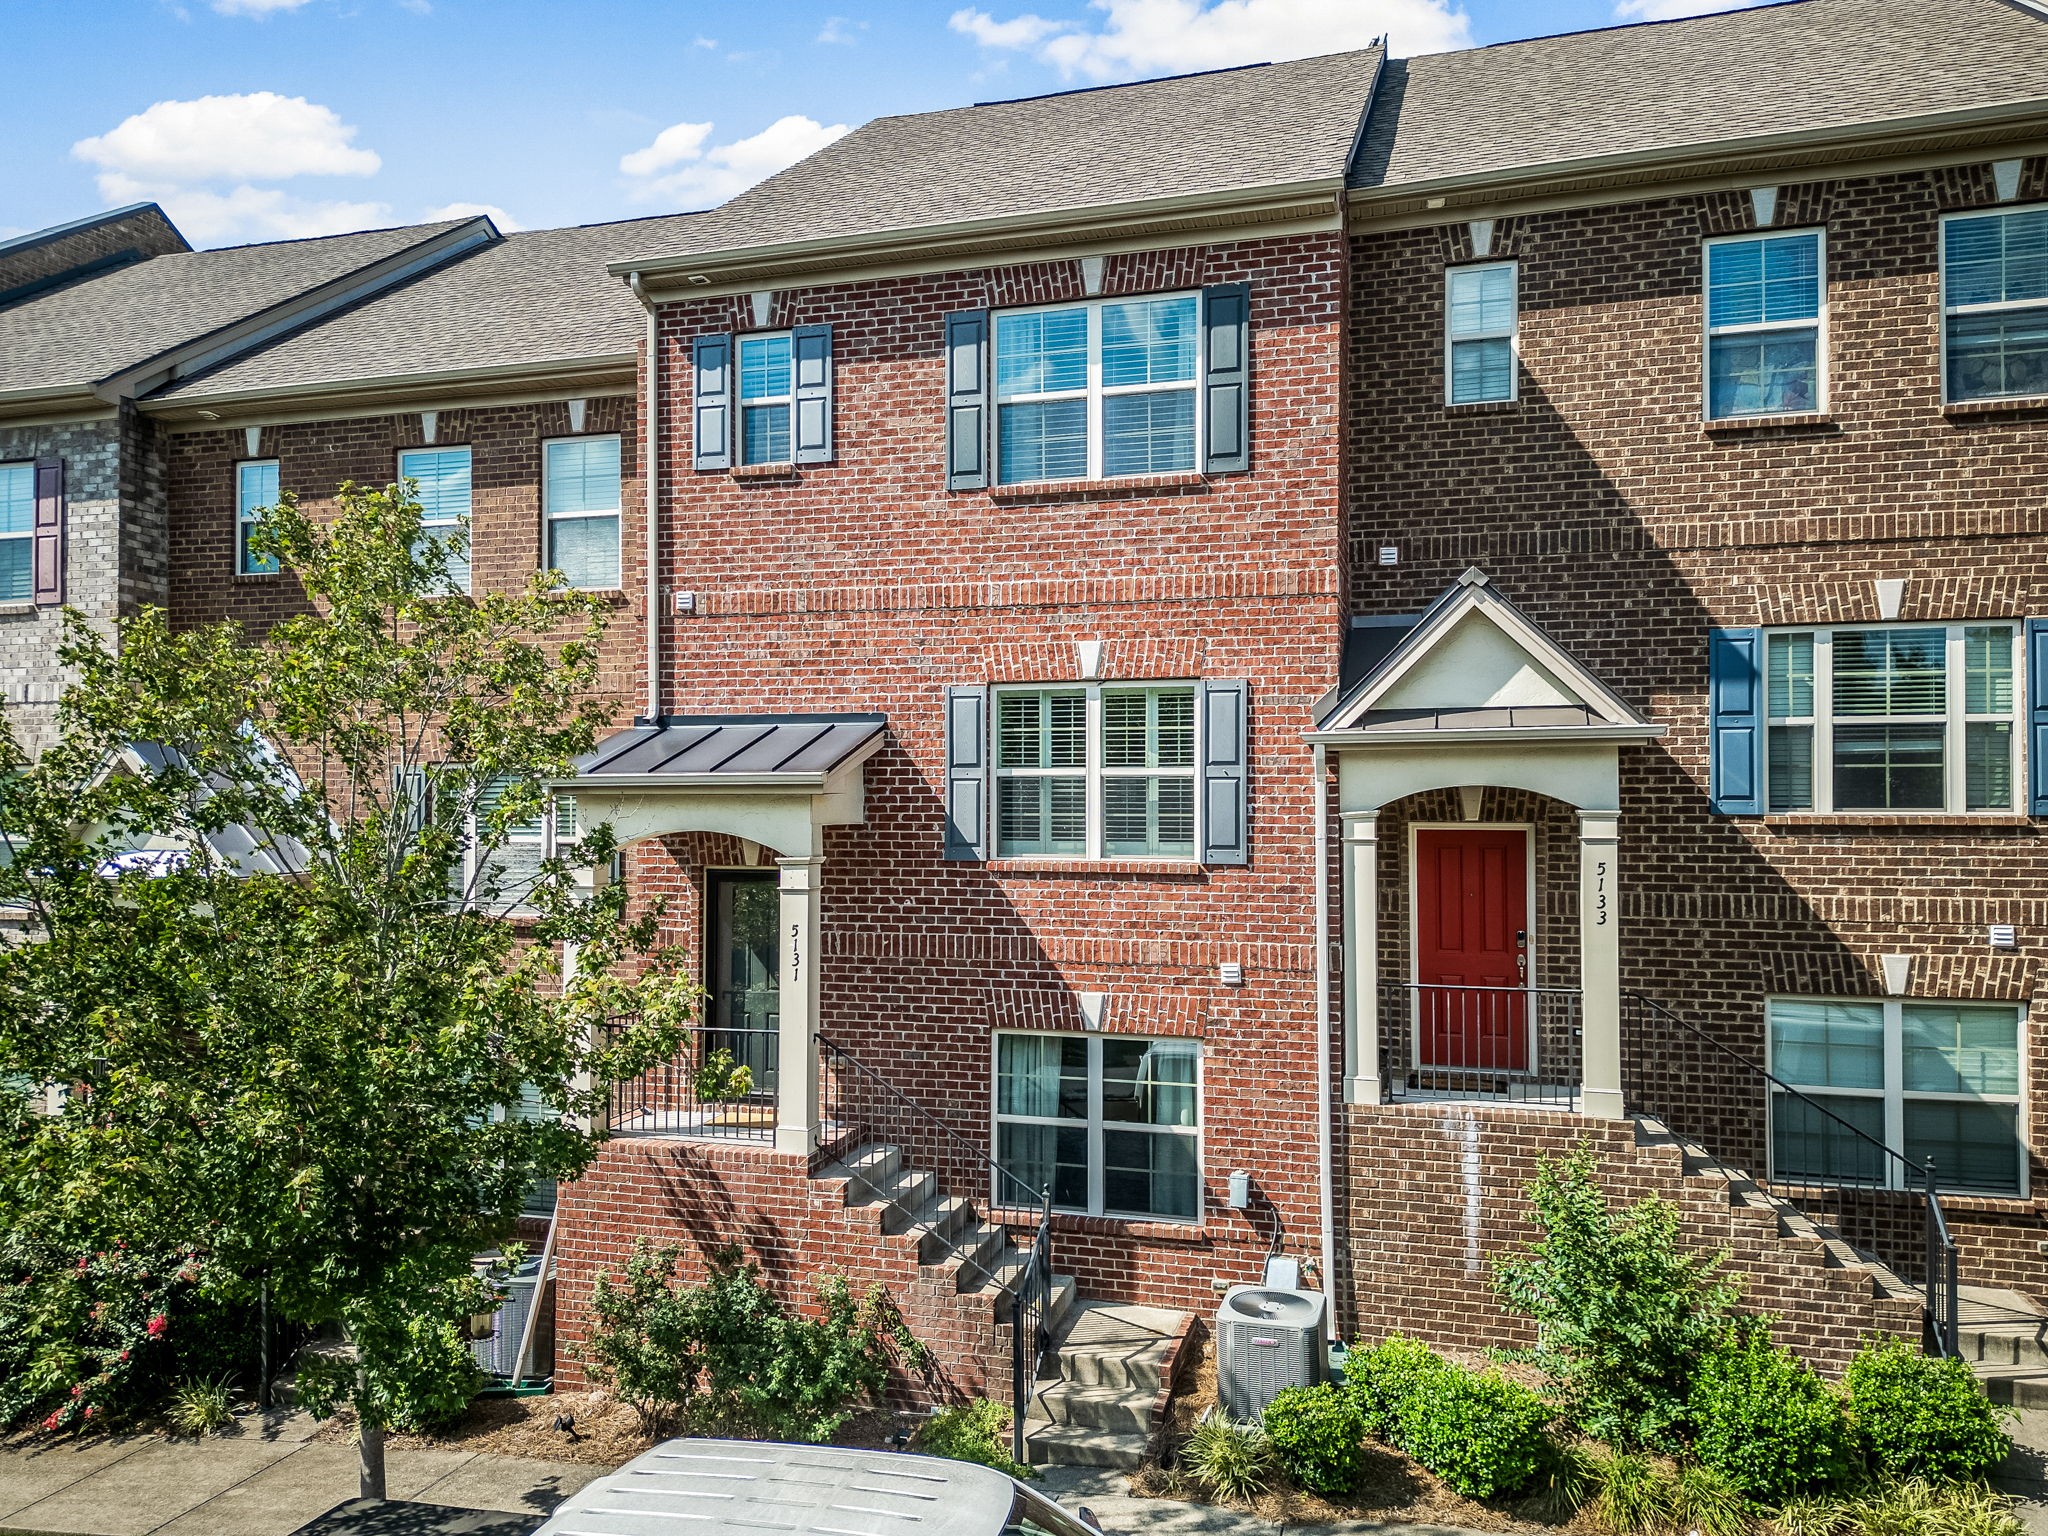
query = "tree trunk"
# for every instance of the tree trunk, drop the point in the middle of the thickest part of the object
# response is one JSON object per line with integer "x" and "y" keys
{"x": 370, "y": 1443}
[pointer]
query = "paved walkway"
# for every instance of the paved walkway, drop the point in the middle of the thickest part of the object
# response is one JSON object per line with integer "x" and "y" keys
{"x": 266, "y": 1481}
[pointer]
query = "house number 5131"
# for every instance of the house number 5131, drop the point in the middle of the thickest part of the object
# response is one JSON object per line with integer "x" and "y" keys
{"x": 1600, "y": 893}
{"x": 796, "y": 951}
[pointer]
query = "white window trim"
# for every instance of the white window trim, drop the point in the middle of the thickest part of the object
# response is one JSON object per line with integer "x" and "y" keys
{"x": 1512, "y": 335}
{"x": 1094, "y": 772}
{"x": 28, "y": 534}
{"x": 1095, "y": 1124}
{"x": 1095, "y": 391}
{"x": 1946, "y": 309}
{"x": 1894, "y": 1092}
{"x": 787, "y": 400}
{"x": 1955, "y": 721}
{"x": 1708, "y": 330}
{"x": 243, "y": 520}
{"x": 549, "y": 517}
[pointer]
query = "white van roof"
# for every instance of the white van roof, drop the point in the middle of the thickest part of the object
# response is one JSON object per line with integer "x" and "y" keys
{"x": 704, "y": 1486}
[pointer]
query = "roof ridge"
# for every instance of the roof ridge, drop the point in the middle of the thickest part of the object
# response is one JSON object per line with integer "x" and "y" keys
{"x": 1124, "y": 85}
{"x": 1619, "y": 26}
{"x": 340, "y": 234}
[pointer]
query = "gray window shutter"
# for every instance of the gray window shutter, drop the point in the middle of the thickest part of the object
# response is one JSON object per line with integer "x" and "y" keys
{"x": 1226, "y": 763}
{"x": 966, "y": 772}
{"x": 47, "y": 553}
{"x": 711, "y": 401}
{"x": 1227, "y": 380}
{"x": 1735, "y": 698}
{"x": 811, "y": 356}
{"x": 967, "y": 420}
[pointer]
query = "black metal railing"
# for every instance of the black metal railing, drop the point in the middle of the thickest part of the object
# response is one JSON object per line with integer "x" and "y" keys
{"x": 1848, "y": 1183}
{"x": 721, "y": 1085}
{"x": 1520, "y": 1044}
{"x": 859, "y": 1107}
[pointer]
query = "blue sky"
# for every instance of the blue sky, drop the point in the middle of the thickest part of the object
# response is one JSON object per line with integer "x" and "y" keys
{"x": 267, "y": 119}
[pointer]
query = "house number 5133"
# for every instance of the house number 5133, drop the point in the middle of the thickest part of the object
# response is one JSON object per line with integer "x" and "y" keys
{"x": 1600, "y": 893}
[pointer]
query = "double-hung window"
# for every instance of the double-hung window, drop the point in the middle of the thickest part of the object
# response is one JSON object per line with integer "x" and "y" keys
{"x": 1994, "y": 292}
{"x": 1481, "y": 308}
{"x": 1110, "y": 1123}
{"x": 1939, "y": 1081}
{"x": 1766, "y": 304}
{"x": 766, "y": 395}
{"x": 580, "y": 502}
{"x": 1098, "y": 390}
{"x": 17, "y": 532}
{"x": 1910, "y": 717}
{"x": 256, "y": 491}
{"x": 441, "y": 480}
{"x": 1096, "y": 772}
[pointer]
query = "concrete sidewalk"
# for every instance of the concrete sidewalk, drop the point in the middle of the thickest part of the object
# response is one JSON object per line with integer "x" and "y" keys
{"x": 266, "y": 1481}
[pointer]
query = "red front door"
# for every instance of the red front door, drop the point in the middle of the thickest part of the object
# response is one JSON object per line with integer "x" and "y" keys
{"x": 1472, "y": 948}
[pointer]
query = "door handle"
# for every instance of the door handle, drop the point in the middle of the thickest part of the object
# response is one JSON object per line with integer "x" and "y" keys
{"x": 1522, "y": 954}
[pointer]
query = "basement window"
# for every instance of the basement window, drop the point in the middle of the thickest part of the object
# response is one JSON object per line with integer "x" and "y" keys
{"x": 1110, "y": 1123}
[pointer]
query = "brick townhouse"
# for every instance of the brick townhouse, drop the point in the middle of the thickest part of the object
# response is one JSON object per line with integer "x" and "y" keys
{"x": 1244, "y": 655}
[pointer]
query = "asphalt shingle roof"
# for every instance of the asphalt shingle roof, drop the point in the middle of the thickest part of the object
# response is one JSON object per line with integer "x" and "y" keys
{"x": 1233, "y": 129}
{"x": 1773, "y": 69}
{"x": 535, "y": 296}
{"x": 99, "y": 327}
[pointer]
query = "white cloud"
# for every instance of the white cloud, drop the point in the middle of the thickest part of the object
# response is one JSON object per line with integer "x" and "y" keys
{"x": 838, "y": 29}
{"x": 256, "y": 7}
{"x": 1144, "y": 37}
{"x": 1670, "y": 10}
{"x": 498, "y": 216}
{"x": 677, "y": 168}
{"x": 203, "y": 161}
{"x": 258, "y": 137}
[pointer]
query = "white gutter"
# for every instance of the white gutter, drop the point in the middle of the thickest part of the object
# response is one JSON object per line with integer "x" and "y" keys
{"x": 650, "y": 470}
{"x": 1325, "y": 1113}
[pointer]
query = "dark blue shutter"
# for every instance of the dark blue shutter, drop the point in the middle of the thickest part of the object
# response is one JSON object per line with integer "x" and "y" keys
{"x": 1226, "y": 759}
{"x": 967, "y": 400}
{"x": 966, "y": 772}
{"x": 46, "y": 552}
{"x": 811, "y": 356}
{"x": 1735, "y": 697}
{"x": 711, "y": 401}
{"x": 1227, "y": 384}
{"x": 2037, "y": 717}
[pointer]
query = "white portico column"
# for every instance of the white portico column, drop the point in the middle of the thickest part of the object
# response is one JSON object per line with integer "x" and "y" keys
{"x": 796, "y": 1060}
{"x": 1600, "y": 964}
{"x": 1361, "y": 843}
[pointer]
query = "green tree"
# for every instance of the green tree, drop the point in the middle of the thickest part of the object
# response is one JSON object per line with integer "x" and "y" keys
{"x": 264, "y": 883}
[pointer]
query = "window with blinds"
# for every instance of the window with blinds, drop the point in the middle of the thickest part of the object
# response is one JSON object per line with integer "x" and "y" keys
{"x": 1481, "y": 312}
{"x": 1766, "y": 302}
{"x": 1994, "y": 286}
{"x": 580, "y": 500}
{"x": 256, "y": 492}
{"x": 1894, "y": 718}
{"x": 766, "y": 398}
{"x": 1096, "y": 772}
{"x": 17, "y": 532}
{"x": 439, "y": 480}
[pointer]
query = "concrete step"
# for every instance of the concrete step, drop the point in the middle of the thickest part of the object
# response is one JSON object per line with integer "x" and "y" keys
{"x": 867, "y": 1172}
{"x": 2003, "y": 1344}
{"x": 1117, "y": 1345}
{"x": 1116, "y": 1408}
{"x": 940, "y": 1223}
{"x": 2022, "y": 1386}
{"x": 975, "y": 1253}
{"x": 903, "y": 1194}
{"x": 1077, "y": 1445}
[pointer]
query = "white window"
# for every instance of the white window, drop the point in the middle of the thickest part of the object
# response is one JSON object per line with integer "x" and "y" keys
{"x": 1096, "y": 772}
{"x": 1766, "y": 311}
{"x": 766, "y": 390}
{"x": 1097, "y": 391}
{"x": 17, "y": 532}
{"x": 1938, "y": 1081}
{"x": 1481, "y": 308}
{"x": 1110, "y": 1123}
{"x": 1994, "y": 290}
{"x": 255, "y": 493}
{"x": 532, "y": 829}
{"x": 441, "y": 478}
{"x": 1908, "y": 717}
{"x": 580, "y": 500}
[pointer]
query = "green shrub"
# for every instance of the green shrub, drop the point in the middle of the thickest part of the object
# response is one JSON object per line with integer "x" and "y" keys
{"x": 1636, "y": 1496}
{"x": 1382, "y": 1378}
{"x": 1708, "y": 1501}
{"x": 1766, "y": 1422}
{"x": 1228, "y": 1459}
{"x": 720, "y": 1077}
{"x": 1914, "y": 1507}
{"x": 641, "y": 1344}
{"x": 1478, "y": 1431}
{"x": 1917, "y": 1416}
{"x": 1319, "y": 1435}
{"x": 201, "y": 1407}
{"x": 1624, "y": 1312}
{"x": 978, "y": 1432}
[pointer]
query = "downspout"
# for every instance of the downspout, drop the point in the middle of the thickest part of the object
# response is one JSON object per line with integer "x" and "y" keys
{"x": 651, "y": 472}
{"x": 1325, "y": 1141}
